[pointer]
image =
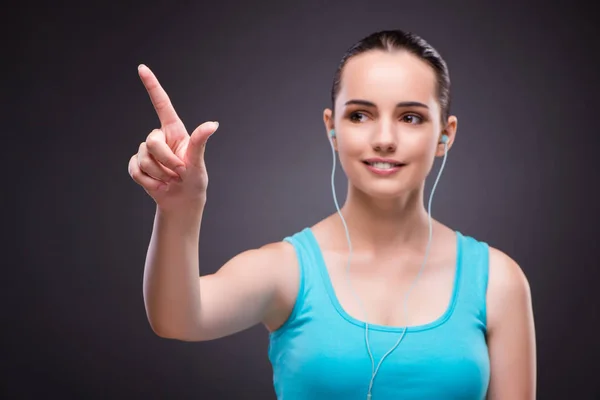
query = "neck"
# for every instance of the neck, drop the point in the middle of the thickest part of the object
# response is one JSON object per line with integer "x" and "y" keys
{"x": 386, "y": 224}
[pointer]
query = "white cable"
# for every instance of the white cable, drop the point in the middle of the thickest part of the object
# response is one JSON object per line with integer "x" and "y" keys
{"x": 374, "y": 369}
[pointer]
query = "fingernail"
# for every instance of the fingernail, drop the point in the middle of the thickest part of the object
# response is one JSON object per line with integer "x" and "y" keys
{"x": 216, "y": 126}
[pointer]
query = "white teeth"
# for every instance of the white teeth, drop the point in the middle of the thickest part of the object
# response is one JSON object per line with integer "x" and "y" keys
{"x": 383, "y": 165}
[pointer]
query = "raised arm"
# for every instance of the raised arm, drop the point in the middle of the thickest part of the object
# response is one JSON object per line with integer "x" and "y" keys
{"x": 180, "y": 304}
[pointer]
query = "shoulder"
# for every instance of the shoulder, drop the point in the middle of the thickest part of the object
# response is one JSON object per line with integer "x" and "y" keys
{"x": 278, "y": 259}
{"x": 277, "y": 250}
{"x": 283, "y": 269}
{"x": 508, "y": 288}
{"x": 265, "y": 258}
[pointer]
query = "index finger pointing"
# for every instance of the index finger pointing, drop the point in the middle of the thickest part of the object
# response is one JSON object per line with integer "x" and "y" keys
{"x": 158, "y": 96}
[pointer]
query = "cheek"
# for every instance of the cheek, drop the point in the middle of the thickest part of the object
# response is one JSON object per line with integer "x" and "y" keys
{"x": 419, "y": 149}
{"x": 423, "y": 157}
{"x": 348, "y": 158}
{"x": 351, "y": 147}
{"x": 349, "y": 153}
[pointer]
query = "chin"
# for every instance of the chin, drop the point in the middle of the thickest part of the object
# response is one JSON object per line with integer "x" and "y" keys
{"x": 385, "y": 190}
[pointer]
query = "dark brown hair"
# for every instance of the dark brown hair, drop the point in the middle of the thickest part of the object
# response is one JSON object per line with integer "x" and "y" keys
{"x": 393, "y": 40}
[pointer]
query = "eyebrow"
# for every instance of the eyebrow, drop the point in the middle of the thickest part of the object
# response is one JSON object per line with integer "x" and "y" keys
{"x": 401, "y": 104}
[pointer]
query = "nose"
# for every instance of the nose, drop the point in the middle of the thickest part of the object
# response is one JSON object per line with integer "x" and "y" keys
{"x": 385, "y": 140}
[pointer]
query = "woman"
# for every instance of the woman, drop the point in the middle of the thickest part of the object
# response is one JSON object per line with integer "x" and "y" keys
{"x": 364, "y": 303}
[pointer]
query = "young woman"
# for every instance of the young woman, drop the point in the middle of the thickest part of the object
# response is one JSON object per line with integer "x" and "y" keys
{"x": 375, "y": 301}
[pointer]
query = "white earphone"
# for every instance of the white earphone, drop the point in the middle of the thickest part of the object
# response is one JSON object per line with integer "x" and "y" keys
{"x": 444, "y": 140}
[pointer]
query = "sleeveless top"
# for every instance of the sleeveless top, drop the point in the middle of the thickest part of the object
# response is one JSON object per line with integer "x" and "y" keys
{"x": 320, "y": 351}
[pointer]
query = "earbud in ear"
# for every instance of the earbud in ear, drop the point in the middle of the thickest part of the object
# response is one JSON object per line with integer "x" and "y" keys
{"x": 332, "y": 133}
{"x": 444, "y": 139}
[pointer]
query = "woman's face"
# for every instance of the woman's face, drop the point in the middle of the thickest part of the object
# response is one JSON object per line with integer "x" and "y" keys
{"x": 387, "y": 108}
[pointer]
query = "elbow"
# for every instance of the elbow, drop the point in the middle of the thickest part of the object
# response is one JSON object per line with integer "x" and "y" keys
{"x": 164, "y": 334}
{"x": 161, "y": 330}
{"x": 166, "y": 331}
{"x": 168, "y": 325}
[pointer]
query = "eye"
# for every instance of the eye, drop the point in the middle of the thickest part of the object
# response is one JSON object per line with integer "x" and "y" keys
{"x": 352, "y": 117}
{"x": 412, "y": 118}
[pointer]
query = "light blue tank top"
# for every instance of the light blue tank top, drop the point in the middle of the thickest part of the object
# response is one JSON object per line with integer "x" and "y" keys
{"x": 320, "y": 351}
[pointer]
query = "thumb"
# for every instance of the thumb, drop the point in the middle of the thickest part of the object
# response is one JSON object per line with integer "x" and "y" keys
{"x": 195, "y": 150}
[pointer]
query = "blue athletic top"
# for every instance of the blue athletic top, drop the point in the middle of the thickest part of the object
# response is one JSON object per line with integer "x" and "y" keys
{"x": 320, "y": 351}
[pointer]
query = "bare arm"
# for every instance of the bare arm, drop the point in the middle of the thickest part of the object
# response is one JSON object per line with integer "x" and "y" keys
{"x": 171, "y": 291}
{"x": 170, "y": 166}
{"x": 181, "y": 305}
{"x": 511, "y": 331}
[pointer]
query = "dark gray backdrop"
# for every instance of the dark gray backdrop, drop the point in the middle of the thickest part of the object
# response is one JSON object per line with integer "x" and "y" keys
{"x": 520, "y": 175}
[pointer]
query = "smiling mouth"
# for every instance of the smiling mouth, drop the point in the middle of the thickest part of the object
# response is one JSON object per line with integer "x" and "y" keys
{"x": 383, "y": 165}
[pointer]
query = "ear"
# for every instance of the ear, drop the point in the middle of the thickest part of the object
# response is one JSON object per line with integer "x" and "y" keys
{"x": 450, "y": 131}
{"x": 329, "y": 125}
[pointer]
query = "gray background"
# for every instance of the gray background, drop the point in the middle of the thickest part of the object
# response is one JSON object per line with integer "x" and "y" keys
{"x": 520, "y": 175}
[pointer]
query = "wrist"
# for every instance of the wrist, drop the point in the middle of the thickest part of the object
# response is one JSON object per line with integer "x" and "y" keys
{"x": 190, "y": 214}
